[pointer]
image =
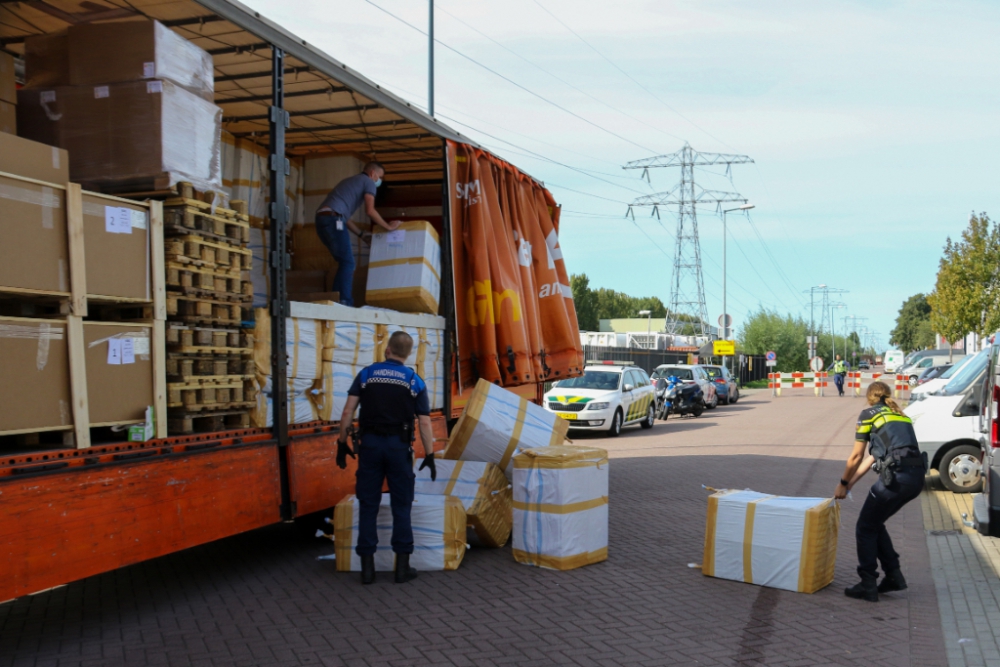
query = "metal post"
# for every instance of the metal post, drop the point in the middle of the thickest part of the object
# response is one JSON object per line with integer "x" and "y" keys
{"x": 430, "y": 61}
{"x": 447, "y": 287}
{"x": 279, "y": 262}
{"x": 725, "y": 321}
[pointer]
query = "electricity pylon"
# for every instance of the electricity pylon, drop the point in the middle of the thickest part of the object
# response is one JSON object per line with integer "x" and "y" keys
{"x": 687, "y": 285}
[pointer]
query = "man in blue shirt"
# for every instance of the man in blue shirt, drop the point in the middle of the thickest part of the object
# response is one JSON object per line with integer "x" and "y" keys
{"x": 334, "y": 225}
{"x": 390, "y": 395}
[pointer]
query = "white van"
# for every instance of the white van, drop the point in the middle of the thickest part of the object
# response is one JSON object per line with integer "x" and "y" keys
{"x": 947, "y": 426}
{"x": 893, "y": 360}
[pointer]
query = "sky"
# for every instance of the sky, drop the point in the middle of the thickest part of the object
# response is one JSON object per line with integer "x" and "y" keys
{"x": 872, "y": 126}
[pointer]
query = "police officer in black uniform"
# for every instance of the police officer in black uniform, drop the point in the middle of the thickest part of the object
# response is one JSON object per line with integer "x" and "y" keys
{"x": 391, "y": 395}
{"x": 893, "y": 454}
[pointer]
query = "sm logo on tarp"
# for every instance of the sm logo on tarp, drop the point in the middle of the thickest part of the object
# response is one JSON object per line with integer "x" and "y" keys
{"x": 471, "y": 191}
{"x": 482, "y": 304}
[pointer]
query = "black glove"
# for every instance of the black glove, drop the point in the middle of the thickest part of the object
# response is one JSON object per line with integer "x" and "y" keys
{"x": 429, "y": 462}
{"x": 343, "y": 451}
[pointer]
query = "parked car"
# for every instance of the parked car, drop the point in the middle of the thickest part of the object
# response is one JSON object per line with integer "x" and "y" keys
{"x": 725, "y": 386}
{"x": 864, "y": 365}
{"x": 929, "y": 388}
{"x": 947, "y": 426}
{"x": 605, "y": 397}
{"x": 919, "y": 364}
{"x": 986, "y": 505}
{"x": 691, "y": 372}
{"x": 931, "y": 373}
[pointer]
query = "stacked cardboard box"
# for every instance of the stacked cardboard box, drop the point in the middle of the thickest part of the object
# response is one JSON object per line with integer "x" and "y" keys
{"x": 8, "y": 95}
{"x": 131, "y": 101}
{"x": 210, "y": 359}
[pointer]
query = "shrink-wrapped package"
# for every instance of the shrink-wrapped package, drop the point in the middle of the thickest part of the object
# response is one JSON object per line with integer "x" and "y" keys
{"x": 484, "y": 491}
{"x": 305, "y": 340}
{"x": 498, "y": 424}
{"x": 561, "y": 507}
{"x": 404, "y": 269}
{"x": 302, "y": 406}
{"x": 775, "y": 541}
{"x": 246, "y": 175}
{"x": 438, "y": 533}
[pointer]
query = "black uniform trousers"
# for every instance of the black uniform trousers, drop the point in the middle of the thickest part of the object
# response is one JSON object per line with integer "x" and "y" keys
{"x": 384, "y": 458}
{"x": 874, "y": 543}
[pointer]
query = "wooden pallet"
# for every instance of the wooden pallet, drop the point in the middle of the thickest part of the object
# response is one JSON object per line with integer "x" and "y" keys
{"x": 227, "y": 285}
{"x": 218, "y": 224}
{"x": 16, "y": 302}
{"x": 203, "y": 394}
{"x": 194, "y": 250}
{"x": 183, "y": 368}
{"x": 182, "y": 423}
{"x": 200, "y": 310}
{"x": 188, "y": 337}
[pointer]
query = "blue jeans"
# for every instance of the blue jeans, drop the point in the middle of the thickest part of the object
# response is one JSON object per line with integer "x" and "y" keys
{"x": 874, "y": 543}
{"x": 381, "y": 458}
{"x": 838, "y": 380}
{"x": 338, "y": 242}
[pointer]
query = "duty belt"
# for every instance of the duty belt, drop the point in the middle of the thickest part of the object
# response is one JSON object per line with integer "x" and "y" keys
{"x": 404, "y": 431}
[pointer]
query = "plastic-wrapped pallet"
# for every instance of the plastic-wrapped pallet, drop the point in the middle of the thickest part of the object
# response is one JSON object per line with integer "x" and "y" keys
{"x": 438, "y": 534}
{"x": 426, "y": 357}
{"x": 245, "y": 173}
{"x": 498, "y": 424}
{"x": 561, "y": 507}
{"x": 775, "y": 541}
{"x": 302, "y": 402}
{"x": 350, "y": 346}
{"x": 305, "y": 342}
{"x": 483, "y": 490}
{"x": 404, "y": 269}
{"x": 259, "y": 272}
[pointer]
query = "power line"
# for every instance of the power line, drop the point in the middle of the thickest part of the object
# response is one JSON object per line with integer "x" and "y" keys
{"x": 511, "y": 81}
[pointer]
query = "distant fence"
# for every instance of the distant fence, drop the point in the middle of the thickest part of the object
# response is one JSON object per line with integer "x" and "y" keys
{"x": 746, "y": 367}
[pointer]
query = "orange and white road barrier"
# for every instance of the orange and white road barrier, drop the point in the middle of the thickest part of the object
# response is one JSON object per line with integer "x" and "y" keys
{"x": 858, "y": 381}
{"x": 817, "y": 381}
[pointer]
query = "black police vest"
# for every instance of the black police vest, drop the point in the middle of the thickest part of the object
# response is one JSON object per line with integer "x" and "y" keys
{"x": 389, "y": 399}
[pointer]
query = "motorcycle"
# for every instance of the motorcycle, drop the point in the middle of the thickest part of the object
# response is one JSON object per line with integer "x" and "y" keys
{"x": 678, "y": 397}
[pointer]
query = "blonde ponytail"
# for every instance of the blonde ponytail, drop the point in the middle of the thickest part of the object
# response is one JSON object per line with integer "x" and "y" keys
{"x": 880, "y": 391}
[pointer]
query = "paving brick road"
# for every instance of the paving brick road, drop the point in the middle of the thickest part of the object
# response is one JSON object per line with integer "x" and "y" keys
{"x": 263, "y": 599}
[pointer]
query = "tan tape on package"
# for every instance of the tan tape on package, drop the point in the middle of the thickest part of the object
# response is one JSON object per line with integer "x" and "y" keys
{"x": 483, "y": 490}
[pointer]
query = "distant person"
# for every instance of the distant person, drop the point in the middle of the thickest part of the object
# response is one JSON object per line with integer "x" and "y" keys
{"x": 839, "y": 369}
{"x": 334, "y": 225}
{"x": 895, "y": 455}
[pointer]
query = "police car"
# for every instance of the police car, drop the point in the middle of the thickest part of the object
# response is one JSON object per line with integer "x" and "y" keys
{"x": 606, "y": 397}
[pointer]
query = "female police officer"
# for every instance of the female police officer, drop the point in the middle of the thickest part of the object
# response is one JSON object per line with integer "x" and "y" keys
{"x": 894, "y": 455}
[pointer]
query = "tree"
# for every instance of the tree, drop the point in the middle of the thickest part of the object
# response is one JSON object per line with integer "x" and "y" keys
{"x": 914, "y": 312}
{"x": 766, "y": 330}
{"x": 585, "y": 302}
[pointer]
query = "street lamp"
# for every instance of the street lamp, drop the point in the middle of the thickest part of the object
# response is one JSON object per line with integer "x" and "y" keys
{"x": 725, "y": 312}
{"x": 833, "y": 327}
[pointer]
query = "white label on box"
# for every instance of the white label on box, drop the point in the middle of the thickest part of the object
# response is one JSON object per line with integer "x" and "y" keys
{"x": 114, "y": 351}
{"x": 47, "y": 96}
{"x": 140, "y": 346}
{"x": 128, "y": 351}
{"x": 100, "y": 92}
{"x": 149, "y": 70}
{"x": 397, "y": 237}
{"x": 138, "y": 219}
{"x": 117, "y": 220}
{"x": 154, "y": 86}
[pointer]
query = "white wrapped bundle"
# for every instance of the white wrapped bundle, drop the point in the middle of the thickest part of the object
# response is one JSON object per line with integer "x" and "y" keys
{"x": 775, "y": 541}
{"x": 404, "y": 269}
{"x": 497, "y": 424}
{"x": 438, "y": 534}
{"x": 305, "y": 340}
{"x": 302, "y": 407}
{"x": 483, "y": 490}
{"x": 561, "y": 507}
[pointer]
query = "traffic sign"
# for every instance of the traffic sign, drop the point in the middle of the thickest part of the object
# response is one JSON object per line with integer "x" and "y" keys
{"x": 816, "y": 363}
{"x": 723, "y": 348}
{"x": 727, "y": 322}
{"x": 771, "y": 363}
{"x": 771, "y": 356}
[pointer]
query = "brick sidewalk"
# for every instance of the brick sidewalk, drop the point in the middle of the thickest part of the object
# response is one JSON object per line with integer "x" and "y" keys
{"x": 263, "y": 599}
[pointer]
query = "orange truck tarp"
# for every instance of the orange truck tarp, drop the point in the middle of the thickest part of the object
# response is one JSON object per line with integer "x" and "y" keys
{"x": 516, "y": 322}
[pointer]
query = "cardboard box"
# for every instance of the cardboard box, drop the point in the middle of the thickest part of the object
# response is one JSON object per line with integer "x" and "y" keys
{"x": 46, "y": 60}
{"x": 561, "y": 507}
{"x": 119, "y": 371}
{"x": 404, "y": 269}
{"x": 497, "y": 424}
{"x": 34, "y": 375}
{"x": 117, "y": 246}
{"x": 775, "y": 541}
{"x": 31, "y": 159}
{"x": 8, "y": 118}
{"x": 34, "y": 252}
{"x": 483, "y": 490}
{"x": 119, "y": 132}
{"x": 102, "y": 53}
{"x": 8, "y": 85}
{"x": 438, "y": 534}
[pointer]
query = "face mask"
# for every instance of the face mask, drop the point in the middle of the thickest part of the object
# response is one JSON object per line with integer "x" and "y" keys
{"x": 378, "y": 182}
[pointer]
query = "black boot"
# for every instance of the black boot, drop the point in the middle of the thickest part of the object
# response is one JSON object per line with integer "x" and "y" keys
{"x": 864, "y": 590}
{"x": 893, "y": 581}
{"x": 368, "y": 569}
{"x": 404, "y": 572}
